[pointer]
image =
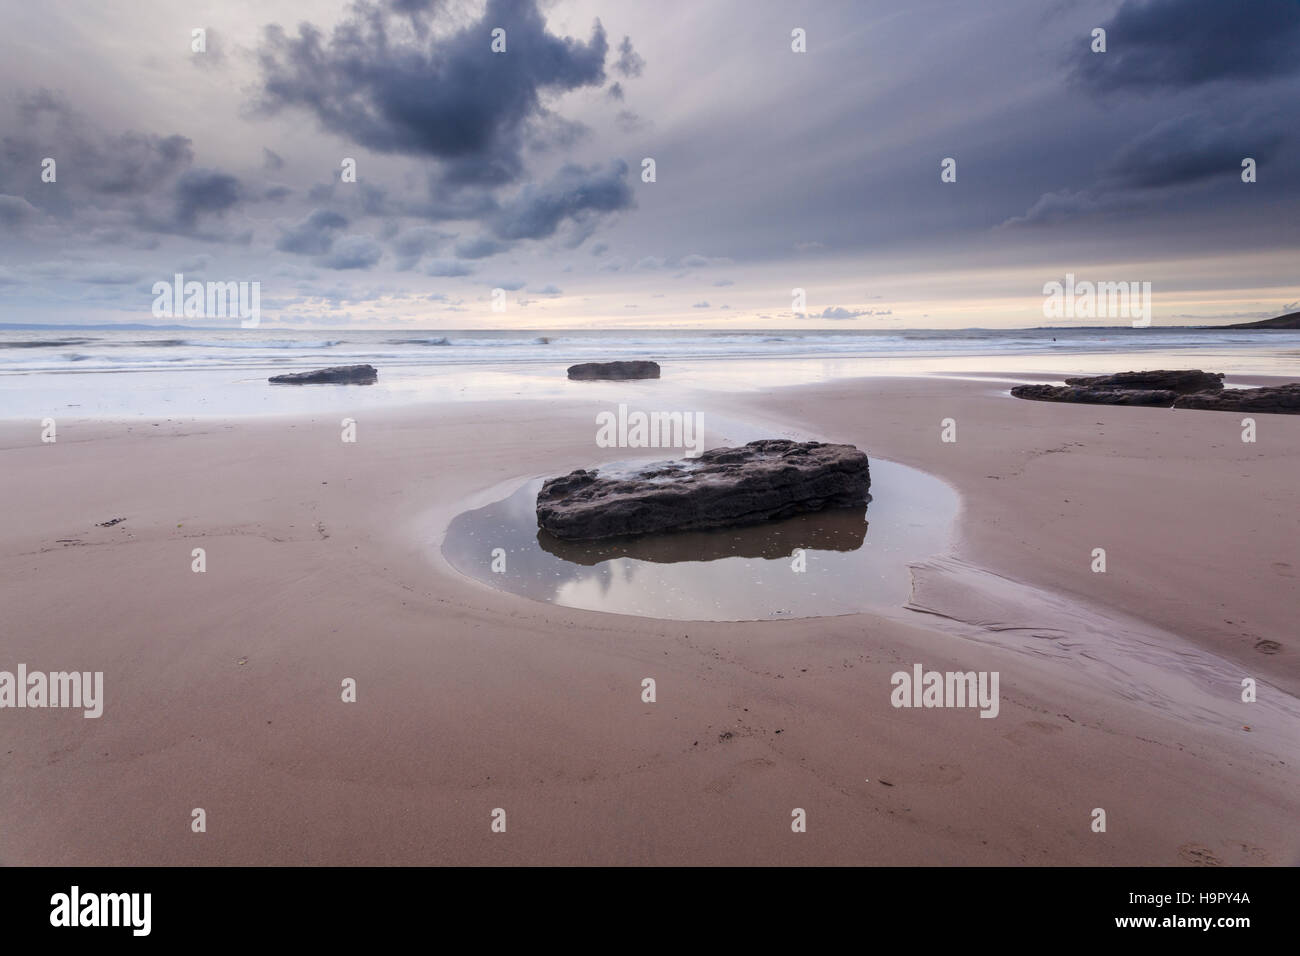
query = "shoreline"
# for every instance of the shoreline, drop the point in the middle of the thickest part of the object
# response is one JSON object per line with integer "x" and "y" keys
{"x": 241, "y": 391}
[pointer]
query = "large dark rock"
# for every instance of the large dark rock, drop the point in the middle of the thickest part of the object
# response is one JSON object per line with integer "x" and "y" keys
{"x": 1096, "y": 396}
{"x": 1168, "y": 389}
{"x": 1181, "y": 381}
{"x": 1274, "y": 399}
{"x": 338, "y": 375}
{"x": 724, "y": 487}
{"x": 1159, "y": 387}
{"x": 618, "y": 371}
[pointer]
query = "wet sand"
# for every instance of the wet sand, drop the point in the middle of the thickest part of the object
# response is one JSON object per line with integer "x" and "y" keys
{"x": 1119, "y": 690}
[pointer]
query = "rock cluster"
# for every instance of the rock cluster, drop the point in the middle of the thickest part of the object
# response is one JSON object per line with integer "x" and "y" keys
{"x": 1182, "y": 388}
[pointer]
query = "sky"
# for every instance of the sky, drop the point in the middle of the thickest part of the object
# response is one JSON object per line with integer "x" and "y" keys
{"x": 524, "y": 169}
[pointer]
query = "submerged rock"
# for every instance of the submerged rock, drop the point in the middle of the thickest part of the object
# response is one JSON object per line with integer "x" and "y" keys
{"x": 337, "y": 375}
{"x": 724, "y": 487}
{"x": 1274, "y": 399}
{"x": 590, "y": 371}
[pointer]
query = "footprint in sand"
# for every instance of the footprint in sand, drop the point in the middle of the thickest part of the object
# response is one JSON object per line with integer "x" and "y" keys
{"x": 728, "y": 780}
{"x": 1267, "y": 647}
{"x": 1044, "y": 727}
{"x": 942, "y": 773}
{"x": 1255, "y": 855}
{"x": 1018, "y": 735}
{"x": 1198, "y": 855}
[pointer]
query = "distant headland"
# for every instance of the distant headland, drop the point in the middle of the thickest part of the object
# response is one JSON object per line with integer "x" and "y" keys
{"x": 1289, "y": 321}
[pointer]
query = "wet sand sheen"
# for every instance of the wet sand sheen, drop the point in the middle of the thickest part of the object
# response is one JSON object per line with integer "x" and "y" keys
{"x": 852, "y": 559}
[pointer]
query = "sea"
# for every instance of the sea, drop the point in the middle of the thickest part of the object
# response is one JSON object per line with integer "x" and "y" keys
{"x": 193, "y": 372}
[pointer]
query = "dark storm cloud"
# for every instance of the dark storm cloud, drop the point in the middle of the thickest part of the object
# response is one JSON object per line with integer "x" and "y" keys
{"x": 1192, "y": 148}
{"x": 412, "y": 244}
{"x": 129, "y": 164}
{"x": 200, "y": 191}
{"x": 314, "y": 235}
{"x": 1182, "y": 153}
{"x": 133, "y": 163}
{"x": 479, "y": 248}
{"x": 573, "y": 192}
{"x": 16, "y": 212}
{"x": 1154, "y": 44}
{"x": 1055, "y": 207}
{"x": 142, "y": 177}
{"x": 629, "y": 63}
{"x": 451, "y": 99}
{"x": 552, "y": 131}
{"x": 352, "y": 252}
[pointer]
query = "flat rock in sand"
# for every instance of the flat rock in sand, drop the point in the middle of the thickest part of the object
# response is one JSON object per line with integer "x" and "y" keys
{"x": 617, "y": 371}
{"x": 1181, "y": 381}
{"x": 1168, "y": 389}
{"x": 1096, "y": 396}
{"x": 724, "y": 487}
{"x": 1159, "y": 387}
{"x": 337, "y": 375}
{"x": 1273, "y": 399}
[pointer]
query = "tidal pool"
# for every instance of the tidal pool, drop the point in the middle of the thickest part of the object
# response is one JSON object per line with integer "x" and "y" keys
{"x": 853, "y": 559}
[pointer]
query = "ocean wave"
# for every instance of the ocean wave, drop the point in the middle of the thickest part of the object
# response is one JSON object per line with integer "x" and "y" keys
{"x": 272, "y": 344}
{"x": 44, "y": 343}
{"x": 24, "y": 351}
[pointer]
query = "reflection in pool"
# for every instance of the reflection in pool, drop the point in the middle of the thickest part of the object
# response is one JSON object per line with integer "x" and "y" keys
{"x": 853, "y": 558}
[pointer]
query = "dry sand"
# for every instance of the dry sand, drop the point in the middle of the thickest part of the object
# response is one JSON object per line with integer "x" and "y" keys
{"x": 1118, "y": 690}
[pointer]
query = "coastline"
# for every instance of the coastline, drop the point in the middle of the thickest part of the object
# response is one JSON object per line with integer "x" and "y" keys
{"x": 323, "y": 564}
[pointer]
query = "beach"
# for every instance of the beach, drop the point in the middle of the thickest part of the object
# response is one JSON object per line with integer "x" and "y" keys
{"x": 1120, "y": 690}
